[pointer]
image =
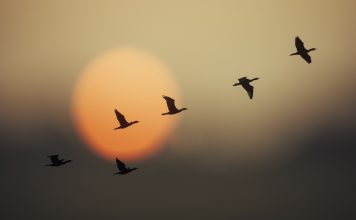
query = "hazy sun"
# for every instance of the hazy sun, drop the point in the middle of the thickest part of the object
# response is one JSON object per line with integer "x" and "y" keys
{"x": 132, "y": 81}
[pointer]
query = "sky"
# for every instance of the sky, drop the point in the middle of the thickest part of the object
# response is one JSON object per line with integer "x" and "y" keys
{"x": 288, "y": 153}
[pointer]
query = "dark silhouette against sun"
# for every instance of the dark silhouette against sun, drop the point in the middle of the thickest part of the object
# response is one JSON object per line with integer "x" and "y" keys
{"x": 245, "y": 83}
{"x": 122, "y": 168}
{"x": 302, "y": 51}
{"x": 123, "y": 123}
{"x": 172, "y": 109}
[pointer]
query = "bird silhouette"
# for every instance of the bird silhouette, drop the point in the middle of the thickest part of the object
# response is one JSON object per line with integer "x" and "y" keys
{"x": 122, "y": 168}
{"x": 302, "y": 51}
{"x": 172, "y": 109}
{"x": 123, "y": 123}
{"x": 57, "y": 162}
{"x": 245, "y": 83}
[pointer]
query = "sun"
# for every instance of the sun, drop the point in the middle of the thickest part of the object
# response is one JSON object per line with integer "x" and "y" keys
{"x": 132, "y": 81}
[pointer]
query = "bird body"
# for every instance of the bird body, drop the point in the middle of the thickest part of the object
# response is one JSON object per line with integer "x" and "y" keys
{"x": 123, "y": 123}
{"x": 302, "y": 51}
{"x": 245, "y": 83}
{"x": 57, "y": 162}
{"x": 122, "y": 168}
{"x": 172, "y": 109}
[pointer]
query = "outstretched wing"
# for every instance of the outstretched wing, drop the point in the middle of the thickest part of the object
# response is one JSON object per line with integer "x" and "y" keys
{"x": 236, "y": 84}
{"x": 120, "y": 165}
{"x": 121, "y": 118}
{"x": 170, "y": 103}
{"x": 54, "y": 158}
{"x": 249, "y": 89}
{"x": 299, "y": 44}
{"x": 306, "y": 57}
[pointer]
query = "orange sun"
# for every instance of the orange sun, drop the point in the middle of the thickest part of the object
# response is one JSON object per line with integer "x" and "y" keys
{"x": 132, "y": 81}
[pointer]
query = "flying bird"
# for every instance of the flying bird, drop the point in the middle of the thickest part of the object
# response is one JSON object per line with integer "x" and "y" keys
{"x": 172, "y": 109}
{"x": 245, "y": 83}
{"x": 123, "y": 123}
{"x": 302, "y": 51}
{"x": 122, "y": 168}
{"x": 55, "y": 162}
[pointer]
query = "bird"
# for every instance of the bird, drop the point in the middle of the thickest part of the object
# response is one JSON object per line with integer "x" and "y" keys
{"x": 57, "y": 162}
{"x": 245, "y": 83}
{"x": 122, "y": 168}
{"x": 172, "y": 109}
{"x": 302, "y": 51}
{"x": 123, "y": 123}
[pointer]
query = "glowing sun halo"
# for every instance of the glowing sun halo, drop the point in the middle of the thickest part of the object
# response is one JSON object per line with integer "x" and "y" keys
{"x": 132, "y": 81}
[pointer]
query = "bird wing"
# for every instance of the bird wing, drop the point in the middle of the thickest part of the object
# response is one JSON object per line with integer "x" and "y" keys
{"x": 236, "y": 84}
{"x": 54, "y": 158}
{"x": 299, "y": 44}
{"x": 306, "y": 57}
{"x": 170, "y": 104}
{"x": 120, "y": 165}
{"x": 121, "y": 118}
{"x": 249, "y": 89}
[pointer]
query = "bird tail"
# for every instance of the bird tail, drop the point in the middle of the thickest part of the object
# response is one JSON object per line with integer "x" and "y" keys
{"x": 292, "y": 54}
{"x": 236, "y": 84}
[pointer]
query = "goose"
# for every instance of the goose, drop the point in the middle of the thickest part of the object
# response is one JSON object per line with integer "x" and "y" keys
{"x": 302, "y": 51}
{"x": 123, "y": 123}
{"x": 57, "y": 162}
{"x": 245, "y": 83}
{"x": 172, "y": 109}
{"x": 122, "y": 168}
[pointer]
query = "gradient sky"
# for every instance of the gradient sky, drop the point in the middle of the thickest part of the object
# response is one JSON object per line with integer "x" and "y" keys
{"x": 287, "y": 154}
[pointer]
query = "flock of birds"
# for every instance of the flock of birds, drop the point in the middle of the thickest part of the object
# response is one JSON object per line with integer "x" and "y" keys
{"x": 172, "y": 109}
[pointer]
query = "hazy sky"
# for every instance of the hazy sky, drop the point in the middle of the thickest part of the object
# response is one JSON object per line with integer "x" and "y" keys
{"x": 288, "y": 153}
